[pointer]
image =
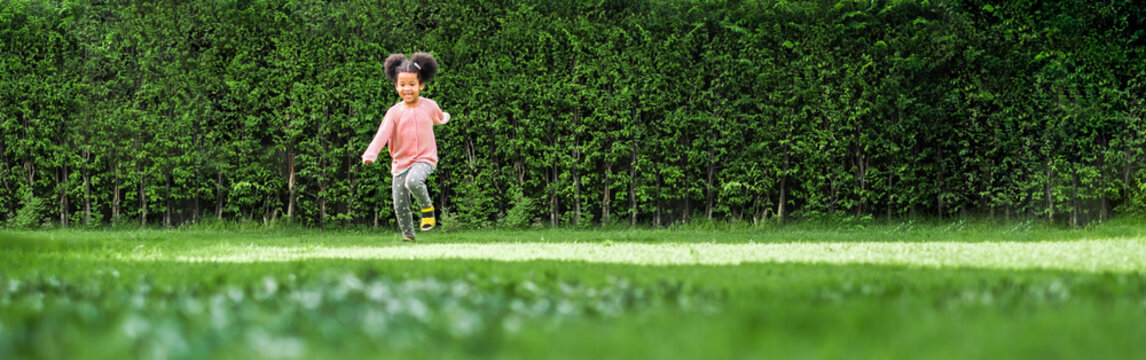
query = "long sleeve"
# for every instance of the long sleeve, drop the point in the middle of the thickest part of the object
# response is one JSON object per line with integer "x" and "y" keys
{"x": 437, "y": 115}
{"x": 385, "y": 131}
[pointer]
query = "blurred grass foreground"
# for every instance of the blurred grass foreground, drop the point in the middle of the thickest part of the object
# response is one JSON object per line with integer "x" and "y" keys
{"x": 920, "y": 291}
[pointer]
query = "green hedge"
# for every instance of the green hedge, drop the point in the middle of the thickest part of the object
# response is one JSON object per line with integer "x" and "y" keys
{"x": 575, "y": 112}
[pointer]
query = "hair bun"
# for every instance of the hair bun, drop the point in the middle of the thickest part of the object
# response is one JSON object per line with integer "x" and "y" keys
{"x": 391, "y": 65}
{"x": 421, "y": 63}
{"x": 426, "y": 64}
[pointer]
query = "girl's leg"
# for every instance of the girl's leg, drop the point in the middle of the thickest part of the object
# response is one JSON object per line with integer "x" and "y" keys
{"x": 416, "y": 184}
{"x": 402, "y": 205}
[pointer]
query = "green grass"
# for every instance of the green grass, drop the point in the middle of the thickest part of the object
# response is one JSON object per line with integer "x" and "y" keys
{"x": 958, "y": 290}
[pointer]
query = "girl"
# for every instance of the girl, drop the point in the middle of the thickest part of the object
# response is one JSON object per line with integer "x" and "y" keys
{"x": 408, "y": 128}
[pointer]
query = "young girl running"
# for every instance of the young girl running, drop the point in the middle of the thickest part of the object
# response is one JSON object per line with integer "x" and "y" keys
{"x": 408, "y": 128}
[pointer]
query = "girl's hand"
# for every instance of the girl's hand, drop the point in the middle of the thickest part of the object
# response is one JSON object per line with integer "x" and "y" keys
{"x": 364, "y": 161}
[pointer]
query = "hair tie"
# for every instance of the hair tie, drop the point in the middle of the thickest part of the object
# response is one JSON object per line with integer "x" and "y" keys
{"x": 417, "y": 66}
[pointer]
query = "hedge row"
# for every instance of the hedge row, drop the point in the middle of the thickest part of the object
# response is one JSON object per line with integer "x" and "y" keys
{"x": 575, "y": 112}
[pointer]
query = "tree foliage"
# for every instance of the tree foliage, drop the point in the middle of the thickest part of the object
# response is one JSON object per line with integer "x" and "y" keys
{"x": 575, "y": 112}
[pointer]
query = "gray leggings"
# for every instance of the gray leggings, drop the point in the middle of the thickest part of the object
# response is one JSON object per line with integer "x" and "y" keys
{"x": 412, "y": 181}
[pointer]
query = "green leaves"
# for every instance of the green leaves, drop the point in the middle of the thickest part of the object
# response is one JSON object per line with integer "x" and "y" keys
{"x": 654, "y": 111}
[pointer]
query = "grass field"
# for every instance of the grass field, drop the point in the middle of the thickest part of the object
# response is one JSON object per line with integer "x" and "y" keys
{"x": 956, "y": 290}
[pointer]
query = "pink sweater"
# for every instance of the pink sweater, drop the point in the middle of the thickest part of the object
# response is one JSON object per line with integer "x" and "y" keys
{"x": 410, "y": 133}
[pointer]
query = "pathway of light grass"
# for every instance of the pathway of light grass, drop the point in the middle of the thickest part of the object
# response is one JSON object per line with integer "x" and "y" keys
{"x": 1107, "y": 255}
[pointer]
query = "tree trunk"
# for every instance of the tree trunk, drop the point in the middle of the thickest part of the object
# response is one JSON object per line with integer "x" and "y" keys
{"x": 553, "y": 203}
{"x": 142, "y": 204}
{"x": 783, "y": 188}
{"x": 1102, "y": 183}
{"x": 292, "y": 192}
{"x": 445, "y": 177}
{"x": 322, "y": 202}
{"x": 657, "y": 220}
{"x": 1129, "y": 154}
{"x": 711, "y": 182}
{"x": 353, "y": 191}
{"x": 633, "y": 186}
{"x": 30, "y": 169}
{"x": 61, "y": 183}
{"x": 268, "y": 214}
{"x": 4, "y": 180}
{"x": 757, "y": 209}
{"x": 195, "y": 205}
{"x": 834, "y": 186}
{"x": 322, "y": 174}
{"x": 686, "y": 213}
{"x": 890, "y": 192}
{"x": 195, "y": 212}
{"x": 142, "y": 177}
{"x": 195, "y": 195}
{"x": 115, "y": 198}
{"x": 606, "y": 196}
{"x": 576, "y": 173}
{"x": 1050, "y": 200}
{"x": 87, "y": 188}
{"x": 167, "y": 201}
{"x": 1102, "y": 215}
{"x": 991, "y": 204}
{"x": 576, "y": 197}
{"x": 686, "y": 216}
{"x": 862, "y": 163}
{"x": 942, "y": 186}
{"x": 219, "y": 196}
{"x": 1074, "y": 199}
{"x": 519, "y": 167}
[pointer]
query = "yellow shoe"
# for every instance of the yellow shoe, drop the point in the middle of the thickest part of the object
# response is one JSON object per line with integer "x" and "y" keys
{"x": 407, "y": 239}
{"x": 428, "y": 220}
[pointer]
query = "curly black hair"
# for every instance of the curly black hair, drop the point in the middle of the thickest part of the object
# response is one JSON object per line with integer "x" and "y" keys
{"x": 421, "y": 63}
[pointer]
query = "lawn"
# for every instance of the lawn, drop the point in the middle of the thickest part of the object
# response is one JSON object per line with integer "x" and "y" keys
{"x": 906, "y": 290}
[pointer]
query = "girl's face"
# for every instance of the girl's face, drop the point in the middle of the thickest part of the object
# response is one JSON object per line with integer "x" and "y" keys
{"x": 408, "y": 87}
